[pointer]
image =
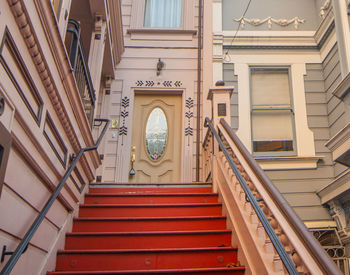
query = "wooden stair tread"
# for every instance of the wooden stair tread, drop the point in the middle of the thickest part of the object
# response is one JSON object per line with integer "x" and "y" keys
{"x": 151, "y": 205}
{"x": 190, "y": 232}
{"x": 135, "y": 229}
{"x": 154, "y": 271}
{"x": 150, "y": 218}
{"x": 157, "y": 250}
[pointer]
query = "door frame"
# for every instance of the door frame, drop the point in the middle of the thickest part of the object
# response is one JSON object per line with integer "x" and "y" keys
{"x": 165, "y": 92}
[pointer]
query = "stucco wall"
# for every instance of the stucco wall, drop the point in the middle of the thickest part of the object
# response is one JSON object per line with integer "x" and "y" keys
{"x": 137, "y": 71}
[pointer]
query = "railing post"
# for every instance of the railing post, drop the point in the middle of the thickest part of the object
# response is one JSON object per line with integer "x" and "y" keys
{"x": 220, "y": 97}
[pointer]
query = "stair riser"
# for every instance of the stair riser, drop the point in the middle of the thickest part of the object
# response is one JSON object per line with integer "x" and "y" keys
{"x": 150, "y": 199}
{"x": 150, "y": 190}
{"x": 141, "y": 226}
{"x": 148, "y": 241}
{"x": 175, "y": 272}
{"x": 149, "y": 211}
{"x": 142, "y": 261}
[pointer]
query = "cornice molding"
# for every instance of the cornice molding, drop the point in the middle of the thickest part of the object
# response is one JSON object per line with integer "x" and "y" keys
{"x": 343, "y": 88}
{"x": 27, "y": 30}
{"x": 339, "y": 185}
{"x": 339, "y": 138}
{"x": 282, "y": 40}
{"x": 314, "y": 42}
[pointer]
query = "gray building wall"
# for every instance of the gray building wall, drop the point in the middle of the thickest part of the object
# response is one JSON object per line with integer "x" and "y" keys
{"x": 299, "y": 187}
{"x": 337, "y": 117}
{"x": 278, "y": 9}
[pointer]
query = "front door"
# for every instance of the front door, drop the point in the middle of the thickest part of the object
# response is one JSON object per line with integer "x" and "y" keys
{"x": 156, "y": 139}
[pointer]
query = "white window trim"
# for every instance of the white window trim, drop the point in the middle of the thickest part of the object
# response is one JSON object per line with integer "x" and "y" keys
{"x": 291, "y": 108}
{"x": 138, "y": 14}
{"x": 304, "y": 136}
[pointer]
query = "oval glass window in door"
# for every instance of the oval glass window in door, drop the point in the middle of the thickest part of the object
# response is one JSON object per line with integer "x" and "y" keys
{"x": 156, "y": 133}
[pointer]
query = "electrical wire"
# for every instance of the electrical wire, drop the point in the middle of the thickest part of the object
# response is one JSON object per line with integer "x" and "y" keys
{"x": 238, "y": 28}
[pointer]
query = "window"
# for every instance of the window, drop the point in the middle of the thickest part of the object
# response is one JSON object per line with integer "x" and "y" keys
{"x": 272, "y": 115}
{"x": 163, "y": 13}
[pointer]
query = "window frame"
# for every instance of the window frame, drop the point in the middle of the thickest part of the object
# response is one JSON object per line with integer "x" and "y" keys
{"x": 165, "y": 27}
{"x": 294, "y": 152}
{"x": 138, "y": 17}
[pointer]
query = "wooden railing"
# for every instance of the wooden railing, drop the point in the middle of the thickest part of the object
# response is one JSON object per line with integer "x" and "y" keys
{"x": 269, "y": 233}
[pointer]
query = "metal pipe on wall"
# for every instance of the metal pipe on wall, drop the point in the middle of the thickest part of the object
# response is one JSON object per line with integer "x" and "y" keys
{"x": 199, "y": 80}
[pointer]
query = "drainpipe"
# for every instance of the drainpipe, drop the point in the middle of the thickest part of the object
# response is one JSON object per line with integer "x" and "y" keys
{"x": 199, "y": 80}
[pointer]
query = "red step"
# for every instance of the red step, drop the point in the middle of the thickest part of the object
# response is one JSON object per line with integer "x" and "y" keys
{"x": 148, "y": 224}
{"x": 143, "y": 259}
{"x": 145, "y": 190}
{"x": 161, "y": 198}
{"x": 152, "y": 240}
{"x": 149, "y": 229}
{"x": 189, "y": 271}
{"x": 146, "y": 210}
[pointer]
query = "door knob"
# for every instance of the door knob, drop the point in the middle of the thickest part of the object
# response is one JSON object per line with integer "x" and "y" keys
{"x": 132, "y": 160}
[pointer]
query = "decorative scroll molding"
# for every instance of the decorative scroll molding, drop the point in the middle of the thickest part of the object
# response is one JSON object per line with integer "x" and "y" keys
{"x": 324, "y": 8}
{"x": 281, "y": 22}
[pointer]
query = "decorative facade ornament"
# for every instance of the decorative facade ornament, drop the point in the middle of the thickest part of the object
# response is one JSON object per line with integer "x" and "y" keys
{"x": 324, "y": 8}
{"x": 281, "y": 22}
{"x": 123, "y": 130}
{"x": 337, "y": 213}
{"x": 189, "y": 115}
{"x": 154, "y": 83}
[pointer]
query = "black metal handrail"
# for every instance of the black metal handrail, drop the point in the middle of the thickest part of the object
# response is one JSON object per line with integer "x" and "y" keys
{"x": 288, "y": 263}
{"x": 80, "y": 68}
{"x": 27, "y": 237}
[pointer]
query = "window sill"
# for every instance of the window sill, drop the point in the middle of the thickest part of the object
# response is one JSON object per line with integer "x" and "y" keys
{"x": 161, "y": 34}
{"x": 339, "y": 143}
{"x": 342, "y": 90}
{"x": 287, "y": 163}
{"x": 338, "y": 186}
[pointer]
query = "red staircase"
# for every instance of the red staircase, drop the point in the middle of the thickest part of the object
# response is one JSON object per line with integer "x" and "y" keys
{"x": 149, "y": 230}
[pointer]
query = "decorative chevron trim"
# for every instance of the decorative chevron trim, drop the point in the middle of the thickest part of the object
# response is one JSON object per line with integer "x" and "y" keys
{"x": 189, "y": 115}
{"x": 164, "y": 83}
{"x": 123, "y": 130}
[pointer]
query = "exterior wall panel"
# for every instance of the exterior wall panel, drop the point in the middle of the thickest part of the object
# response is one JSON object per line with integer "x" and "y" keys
{"x": 232, "y": 80}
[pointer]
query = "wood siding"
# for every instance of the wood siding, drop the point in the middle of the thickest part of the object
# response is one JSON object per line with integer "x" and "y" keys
{"x": 335, "y": 107}
{"x": 40, "y": 147}
{"x": 299, "y": 187}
